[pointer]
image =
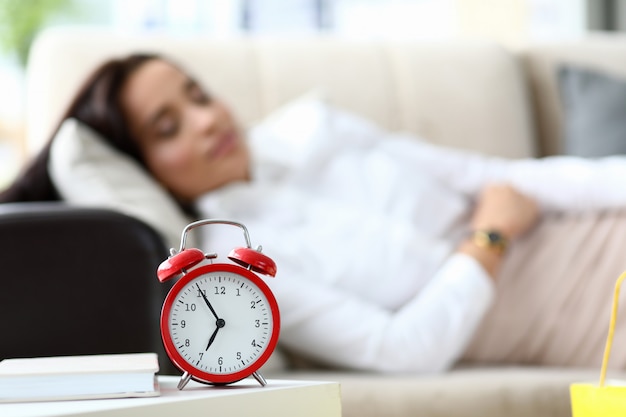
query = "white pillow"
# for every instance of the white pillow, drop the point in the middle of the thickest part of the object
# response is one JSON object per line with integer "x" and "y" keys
{"x": 87, "y": 171}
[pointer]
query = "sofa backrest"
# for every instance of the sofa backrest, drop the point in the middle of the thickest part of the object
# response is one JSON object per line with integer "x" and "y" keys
{"x": 466, "y": 94}
{"x": 604, "y": 52}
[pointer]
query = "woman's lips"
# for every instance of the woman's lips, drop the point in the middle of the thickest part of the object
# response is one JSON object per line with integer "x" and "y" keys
{"x": 225, "y": 144}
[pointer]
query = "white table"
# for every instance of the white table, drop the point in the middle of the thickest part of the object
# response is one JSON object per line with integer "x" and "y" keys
{"x": 244, "y": 398}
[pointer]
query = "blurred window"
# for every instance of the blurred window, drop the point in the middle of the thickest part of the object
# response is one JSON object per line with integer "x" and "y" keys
{"x": 501, "y": 20}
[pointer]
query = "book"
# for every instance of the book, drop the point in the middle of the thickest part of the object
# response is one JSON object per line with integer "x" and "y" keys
{"x": 79, "y": 377}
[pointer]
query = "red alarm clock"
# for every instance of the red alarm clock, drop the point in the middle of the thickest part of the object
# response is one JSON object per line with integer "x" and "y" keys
{"x": 220, "y": 321}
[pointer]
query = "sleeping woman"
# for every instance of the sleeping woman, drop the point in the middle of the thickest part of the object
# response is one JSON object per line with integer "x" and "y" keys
{"x": 394, "y": 255}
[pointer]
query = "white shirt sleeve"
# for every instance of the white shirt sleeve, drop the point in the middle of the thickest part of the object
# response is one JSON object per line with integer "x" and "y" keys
{"x": 428, "y": 334}
{"x": 560, "y": 183}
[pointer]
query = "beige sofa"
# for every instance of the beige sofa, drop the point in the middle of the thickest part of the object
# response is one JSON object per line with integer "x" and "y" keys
{"x": 474, "y": 95}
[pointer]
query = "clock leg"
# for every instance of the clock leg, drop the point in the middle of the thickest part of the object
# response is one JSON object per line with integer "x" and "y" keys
{"x": 259, "y": 378}
{"x": 184, "y": 380}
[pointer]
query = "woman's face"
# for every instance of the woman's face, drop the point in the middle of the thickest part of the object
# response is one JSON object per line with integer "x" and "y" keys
{"x": 188, "y": 139}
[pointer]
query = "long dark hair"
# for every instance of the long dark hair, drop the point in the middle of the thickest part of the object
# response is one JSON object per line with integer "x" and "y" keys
{"x": 97, "y": 105}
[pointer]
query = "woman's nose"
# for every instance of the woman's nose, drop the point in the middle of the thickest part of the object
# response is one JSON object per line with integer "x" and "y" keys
{"x": 203, "y": 119}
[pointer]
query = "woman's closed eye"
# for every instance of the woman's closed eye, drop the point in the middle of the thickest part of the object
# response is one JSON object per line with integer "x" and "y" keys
{"x": 166, "y": 126}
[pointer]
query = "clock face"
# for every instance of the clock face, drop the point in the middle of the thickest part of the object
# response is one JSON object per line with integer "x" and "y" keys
{"x": 220, "y": 323}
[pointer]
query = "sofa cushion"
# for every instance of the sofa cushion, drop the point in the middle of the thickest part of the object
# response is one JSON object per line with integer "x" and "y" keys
{"x": 594, "y": 105}
{"x": 468, "y": 392}
{"x": 86, "y": 171}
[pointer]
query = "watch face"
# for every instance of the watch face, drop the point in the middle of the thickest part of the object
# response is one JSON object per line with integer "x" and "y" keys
{"x": 220, "y": 323}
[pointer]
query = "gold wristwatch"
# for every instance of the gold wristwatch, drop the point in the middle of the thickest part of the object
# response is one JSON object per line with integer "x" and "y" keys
{"x": 490, "y": 239}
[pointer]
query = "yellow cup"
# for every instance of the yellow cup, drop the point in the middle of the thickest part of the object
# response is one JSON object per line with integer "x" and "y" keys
{"x": 601, "y": 400}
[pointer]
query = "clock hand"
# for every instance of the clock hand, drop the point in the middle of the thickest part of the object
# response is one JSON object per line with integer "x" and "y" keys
{"x": 206, "y": 300}
{"x": 219, "y": 323}
{"x": 212, "y": 339}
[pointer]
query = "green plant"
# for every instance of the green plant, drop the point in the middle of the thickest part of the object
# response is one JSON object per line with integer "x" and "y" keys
{"x": 20, "y": 20}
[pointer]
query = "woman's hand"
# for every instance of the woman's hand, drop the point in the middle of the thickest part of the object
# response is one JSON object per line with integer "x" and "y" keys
{"x": 503, "y": 209}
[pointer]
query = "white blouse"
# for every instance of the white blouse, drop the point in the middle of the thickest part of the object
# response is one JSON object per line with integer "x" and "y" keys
{"x": 363, "y": 226}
